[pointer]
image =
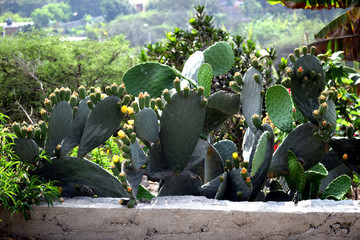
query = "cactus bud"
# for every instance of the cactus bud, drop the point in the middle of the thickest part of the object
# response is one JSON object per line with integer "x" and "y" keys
{"x": 200, "y": 90}
{"x": 234, "y": 86}
{"x": 29, "y": 132}
{"x": 16, "y": 128}
{"x": 292, "y": 58}
{"x": 248, "y": 181}
{"x": 345, "y": 156}
{"x": 304, "y": 50}
{"x": 108, "y": 90}
{"x": 228, "y": 164}
{"x": 37, "y": 133}
{"x": 257, "y": 78}
{"x": 82, "y": 92}
{"x": 297, "y": 52}
{"x": 121, "y": 90}
{"x": 323, "y": 108}
{"x": 262, "y": 93}
{"x": 166, "y": 95}
{"x": 23, "y": 131}
{"x": 62, "y": 94}
{"x": 135, "y": 106}
{"x": 299, "y": 72}
{"x": 58, "y": 151}
{"x": 47, "y": 104}
{"x": 92, "y": 90}
{"x": 98, "y": 96}
{"x": 53, "y": 99}
{"x": 147, "y": 99}
{"x": 131, "y": 203}
{"x": 67, "y": 94}
{"x": 126, "y": 99}
{"x": 73, "y": 100}
{"x": 153, "y": 104}
{"x": 125, "y": 149}
{"x": 177, "y": 85}
{"x": 133, "y": 137}
{"x": 114, "y": 89}
{"x": 90, "y": 104}
{"x": 186, "y": 91}
{"x": 286, "y": 82}
{"x": 256, "y": 120}
{"x": 317, "y": 114}
{"x": 93, "y": 98}
{"x": 204, "y": 102}
{"x": 255, "y": 63}
{"x": 322, "y": 99}
{"x": 236, "y": 160}
{"x": 239, "y": 80}
{"x": 141, "y": 100}
{"x": 312, "y": 50}
{"x": 239, "y": 194}
{"x": 243, "y": 173}
{"x": 350, "y": 130}
{"x": 75, "y": 109}
{"x": 221, "y": 178}
{"x": 312, "y": 74}
{"x": 45, "y": 115}
{"x": 159, "y": 103}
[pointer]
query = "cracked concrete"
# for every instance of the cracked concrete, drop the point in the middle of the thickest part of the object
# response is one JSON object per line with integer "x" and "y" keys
{"x": 188, "y": 218}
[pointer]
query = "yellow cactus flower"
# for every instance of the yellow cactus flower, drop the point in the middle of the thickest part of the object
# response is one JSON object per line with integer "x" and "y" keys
{"x": 235, "y": 155}
{"x": 121, "y": 134}
{"x": 116, "y": 158}
{"x": 124, "y": 109}
{"x": 130, "y": 122}
{"x": 130, "y": 110}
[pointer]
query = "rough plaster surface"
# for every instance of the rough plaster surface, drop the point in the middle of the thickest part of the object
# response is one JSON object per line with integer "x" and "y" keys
{"x": 188, "y": 218}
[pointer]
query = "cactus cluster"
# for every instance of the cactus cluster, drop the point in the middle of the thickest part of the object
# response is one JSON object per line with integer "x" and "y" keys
{"x": 173, "y": 114}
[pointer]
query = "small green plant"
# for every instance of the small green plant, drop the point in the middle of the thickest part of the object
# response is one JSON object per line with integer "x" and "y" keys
{"x": 19, "y": 189}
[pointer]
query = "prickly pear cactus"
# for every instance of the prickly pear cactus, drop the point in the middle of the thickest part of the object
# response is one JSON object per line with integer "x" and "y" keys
{"x": 279, "y": 107}
{"x": 180, "y": 126}
{"x": 74, "y": 172}
{"x": 251, "y": 99}
{"x": 307, "y": 82}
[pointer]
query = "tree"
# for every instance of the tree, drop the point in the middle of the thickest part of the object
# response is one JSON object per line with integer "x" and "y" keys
{"x": 112, "y": 8}
{"x": 340, "y": 34}
{"x": 33, "y": 65}
{"x": 82, "y": 7}
{"x": 59, "y": 12}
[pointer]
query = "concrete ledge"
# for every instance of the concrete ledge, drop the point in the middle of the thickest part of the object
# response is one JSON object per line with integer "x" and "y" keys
{"x": 188, "y": 218}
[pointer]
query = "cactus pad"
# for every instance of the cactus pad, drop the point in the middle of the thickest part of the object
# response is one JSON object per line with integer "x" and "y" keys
{"x": 226, "y": 148}
{"x": 305, "y": 93}
{"x": 146, "y": 125}
{"x": 192, "y": 65}
{"x": 26, "y": 149}
{"x": 149, "y": 77}
{"x": 251, "y": 98}
{"x": 304, "y": 144}
{"x": 204, "y": 78}
{"x": 186, "y": 183}
{"x": 74, "y": 135}
{"x": 279, "y": 107}
{"x": 338, "y": 188}
{"x": 59, "y": 125}
{"x": 101, "y": 124}
{"x": 67, "y": 171}
{"x": 138, "y": 157}
{"x": 181, "y": 123}
{"x": 235, "y": 183}
{"x": 213, "y": 164}
{"x": 221, "y": 105}
{"x": 297, "y": 178}
{"x": 220, "y": 56}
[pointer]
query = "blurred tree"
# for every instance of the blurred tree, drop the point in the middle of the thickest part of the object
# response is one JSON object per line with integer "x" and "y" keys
{"x": 59, "y": 12}
{"x": 27, "y": 6}
{"x": 112, "y": 8}
{"x": 82, "y": 7}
